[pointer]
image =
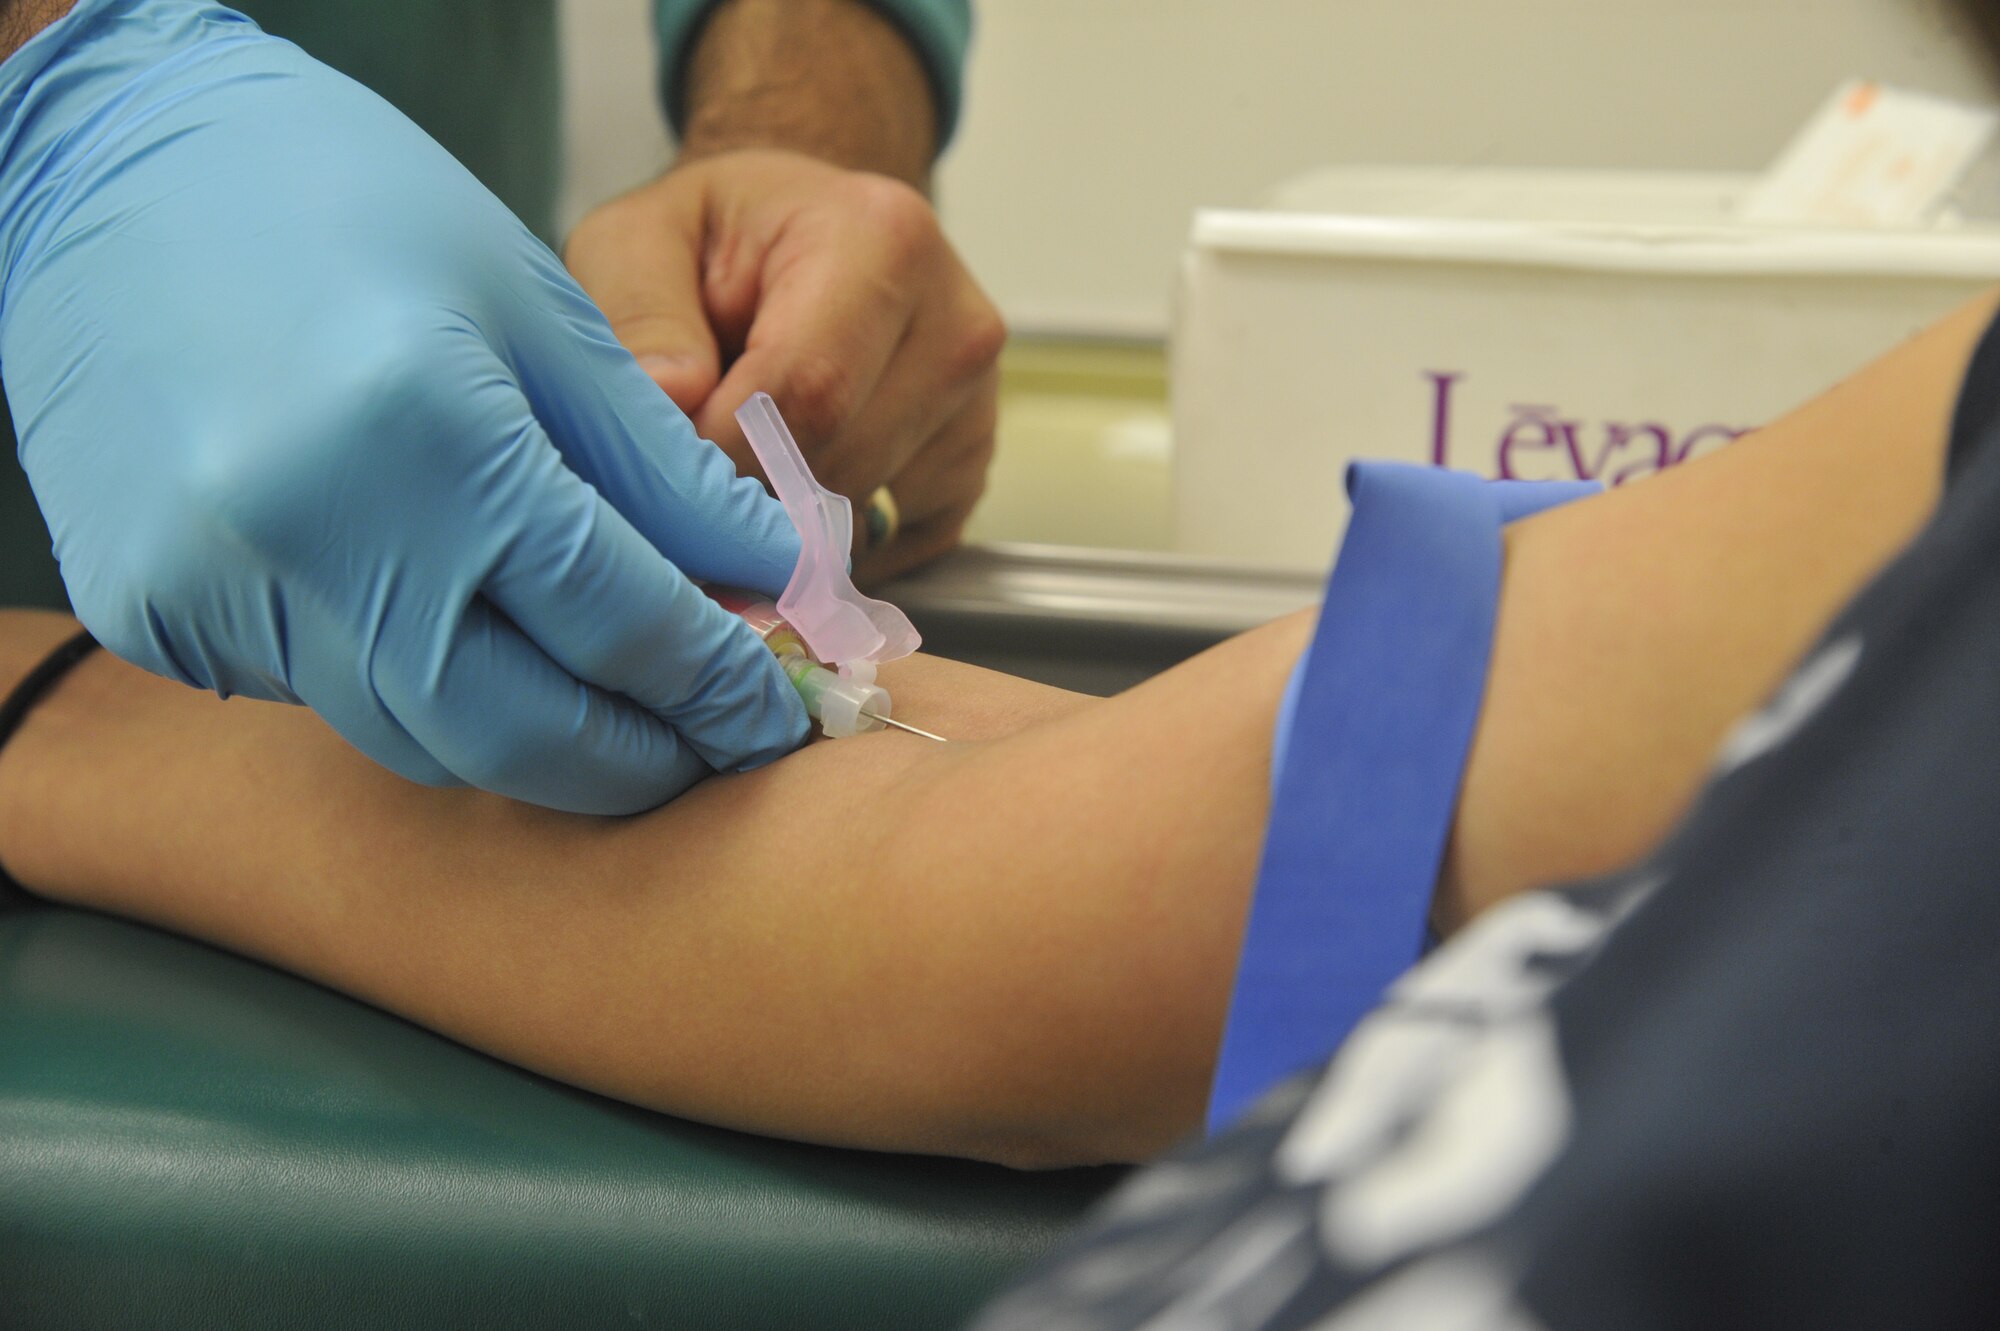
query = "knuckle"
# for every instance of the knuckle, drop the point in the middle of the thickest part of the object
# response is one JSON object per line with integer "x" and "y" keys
{"x": 969, "y": 446}
{"x": 898, "y": 213}
{"x": 616, "y": 223}
{"x": 820, "y": 395}
{"x": 852, "y": 473}
{"x": 243, "y": 482}
{"x": 977, "y": 342}
{"x": 582, "y": 239}
{"x": 254, "y": 486}
{"x": 382, "y": 376}
{"x": 257, "y": 475}
{"x": 600, "y": 226}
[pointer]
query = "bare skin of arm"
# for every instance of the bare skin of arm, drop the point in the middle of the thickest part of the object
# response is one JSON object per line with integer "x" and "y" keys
{"x": 20, "y": 20}
{"x": 1006, "y": 947}
{"x": 829, "y": 78}
{"x": 1018, "y": 947}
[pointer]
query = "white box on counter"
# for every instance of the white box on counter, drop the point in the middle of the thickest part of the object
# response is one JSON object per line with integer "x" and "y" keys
{"x": 1511, "y": 323}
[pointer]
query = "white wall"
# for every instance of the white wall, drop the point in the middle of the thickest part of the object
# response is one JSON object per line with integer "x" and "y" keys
{"x": 1094, "y": 127}
{"x": 613, "y": 135}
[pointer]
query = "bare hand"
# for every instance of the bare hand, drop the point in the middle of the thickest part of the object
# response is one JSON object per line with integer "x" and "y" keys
{"x": 834, "y": 291}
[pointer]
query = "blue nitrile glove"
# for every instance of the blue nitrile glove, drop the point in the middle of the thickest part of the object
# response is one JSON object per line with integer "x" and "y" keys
{"x": 313, "y": 418}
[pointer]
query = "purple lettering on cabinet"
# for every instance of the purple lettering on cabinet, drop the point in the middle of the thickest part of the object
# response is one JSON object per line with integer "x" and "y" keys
{"x": 1721, "y": 434}
{"x": 1440, "y": 414}
{"x": 1643, "y": 462}
{"x": 1540, "y": 437}
{"x": 1533, "y": 427}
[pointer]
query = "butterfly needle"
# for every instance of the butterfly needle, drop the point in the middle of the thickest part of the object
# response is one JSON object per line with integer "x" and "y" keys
{"x": 892, "y": 721}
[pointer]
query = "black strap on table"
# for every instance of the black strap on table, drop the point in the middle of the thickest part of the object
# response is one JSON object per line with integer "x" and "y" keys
{"x": 22, "y": 701}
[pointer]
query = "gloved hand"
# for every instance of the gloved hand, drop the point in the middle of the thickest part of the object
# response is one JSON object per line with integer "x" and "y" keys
{"x": 313, "y": 418}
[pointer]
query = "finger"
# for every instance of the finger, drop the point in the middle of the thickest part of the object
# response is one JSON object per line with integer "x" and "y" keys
{"x": 949, "y": 472}
{"x": 914, "y": 546}
{"x": 944, "y": 483}
{"x": 826, "y": 327}
{"x": 340, "y": 683}
{"x": 949, "y": 356}
{"x": 603, "y": 604}
{"x": 640, "y": 260}
{"x": 500, "y": 715}
{"x": 615, "y": 430}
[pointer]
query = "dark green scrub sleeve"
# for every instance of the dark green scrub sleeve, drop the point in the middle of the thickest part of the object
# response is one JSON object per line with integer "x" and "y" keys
{"x": 482, "y": 77}
{"x": 27, "y": 570}
{"x": 940, "y": 30}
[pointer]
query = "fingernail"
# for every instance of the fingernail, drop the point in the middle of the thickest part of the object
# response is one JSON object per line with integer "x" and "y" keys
{"x": 659, "y": 366}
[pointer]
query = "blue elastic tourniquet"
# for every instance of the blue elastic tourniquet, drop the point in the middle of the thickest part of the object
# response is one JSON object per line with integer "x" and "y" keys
{"x": 1371, "y": 744}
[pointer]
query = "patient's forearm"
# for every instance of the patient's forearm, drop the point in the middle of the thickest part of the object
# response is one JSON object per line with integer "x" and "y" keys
{"x": 1017, "y": 946}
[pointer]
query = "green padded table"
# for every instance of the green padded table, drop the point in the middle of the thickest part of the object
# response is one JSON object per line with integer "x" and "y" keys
{"x": 190, "y": 1139}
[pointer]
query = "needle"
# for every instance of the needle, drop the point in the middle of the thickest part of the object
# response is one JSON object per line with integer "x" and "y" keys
{"x": 891, "y": 721}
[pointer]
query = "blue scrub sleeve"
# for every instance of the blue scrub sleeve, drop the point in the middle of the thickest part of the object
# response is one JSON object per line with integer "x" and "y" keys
{"x": 1371, "y": 742}
{"x": 940, "y": 30}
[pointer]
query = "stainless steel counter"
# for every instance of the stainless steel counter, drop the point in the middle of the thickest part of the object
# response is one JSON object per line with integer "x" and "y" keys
{"x": 1092, "y": 620}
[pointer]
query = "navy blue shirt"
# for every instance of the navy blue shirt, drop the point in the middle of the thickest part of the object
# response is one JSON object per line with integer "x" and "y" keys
{"x": 1752, "y": 1081}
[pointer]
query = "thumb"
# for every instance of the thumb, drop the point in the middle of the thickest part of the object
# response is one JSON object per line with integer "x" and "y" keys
{"x": 644, "y": 271}
{"x": 678, "y": 354}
